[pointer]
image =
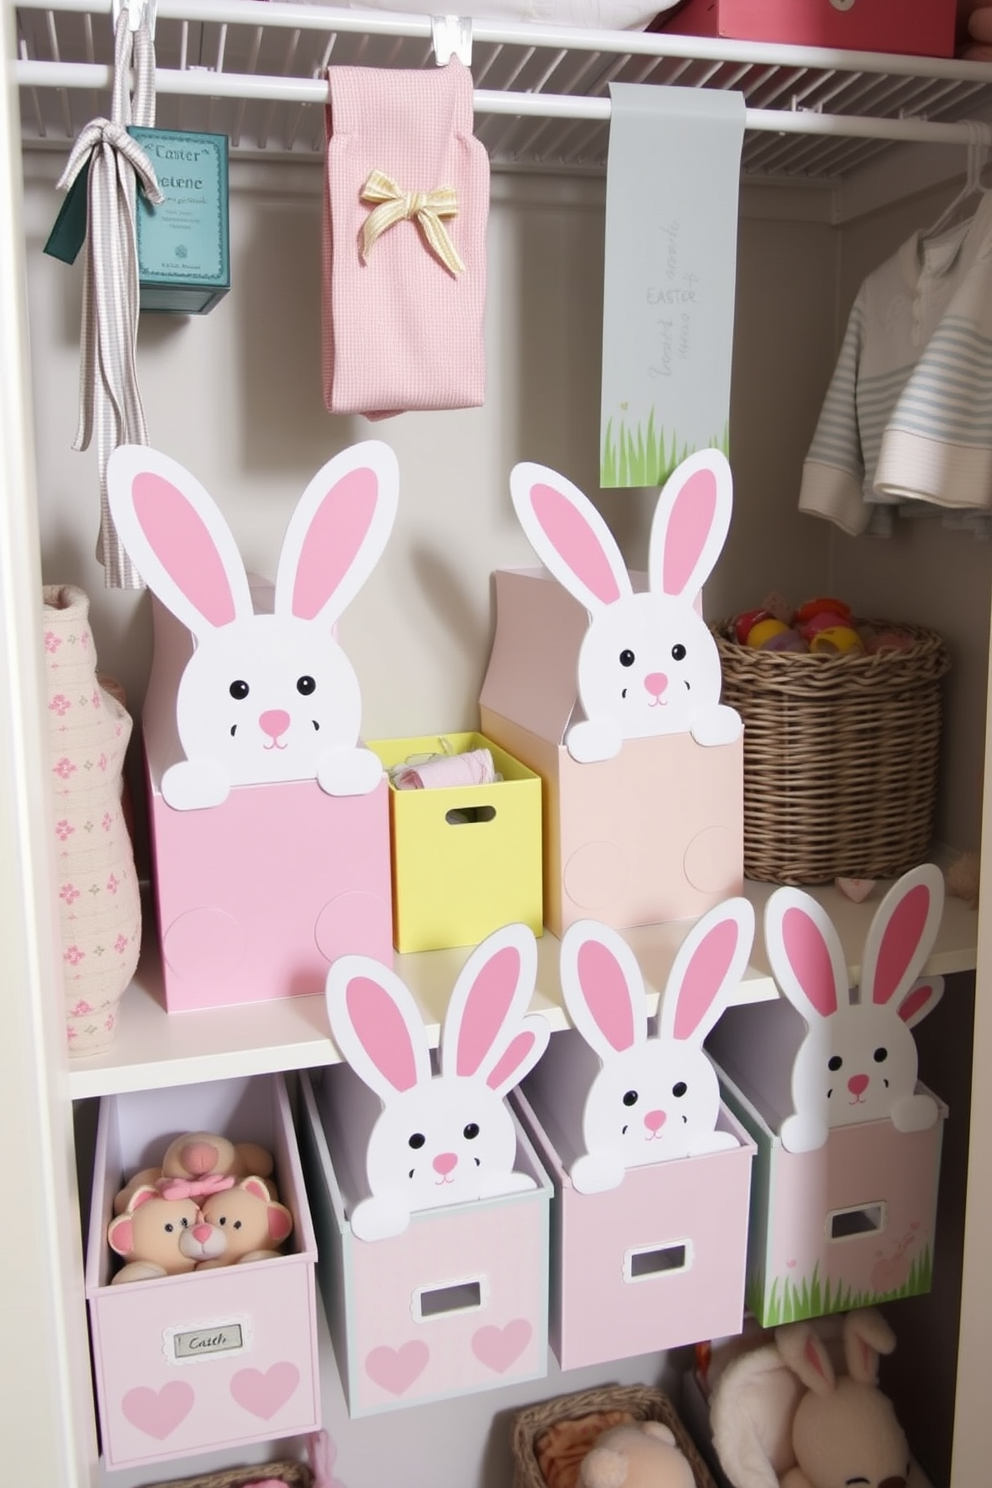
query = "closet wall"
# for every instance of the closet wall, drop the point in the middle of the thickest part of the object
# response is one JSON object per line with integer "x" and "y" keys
{"x": 236, "y": 397}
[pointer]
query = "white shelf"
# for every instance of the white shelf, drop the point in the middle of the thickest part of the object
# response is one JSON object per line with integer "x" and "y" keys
{"x": 155, "y": 1048}
{"x": 255, "y": 70}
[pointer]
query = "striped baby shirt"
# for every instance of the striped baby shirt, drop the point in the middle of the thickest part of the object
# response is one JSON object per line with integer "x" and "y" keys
{"x": 907, "y": 419}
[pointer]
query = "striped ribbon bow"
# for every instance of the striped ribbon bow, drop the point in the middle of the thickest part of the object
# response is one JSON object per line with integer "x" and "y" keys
{"x": 109, "y": 399}
{"x": 426, "y": 207}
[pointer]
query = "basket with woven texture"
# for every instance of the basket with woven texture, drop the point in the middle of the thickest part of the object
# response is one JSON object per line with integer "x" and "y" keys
{"x": 293, "y": 1474}
{"x": 841, "y": 755}
{"x": 642, "y": 1402}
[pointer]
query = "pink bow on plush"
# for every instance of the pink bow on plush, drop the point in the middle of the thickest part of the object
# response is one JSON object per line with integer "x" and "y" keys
{"x": 193, "y": 1188}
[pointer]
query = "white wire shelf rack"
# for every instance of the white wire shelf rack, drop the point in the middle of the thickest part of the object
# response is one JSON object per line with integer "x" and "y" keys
{"x": 256, "y": 71}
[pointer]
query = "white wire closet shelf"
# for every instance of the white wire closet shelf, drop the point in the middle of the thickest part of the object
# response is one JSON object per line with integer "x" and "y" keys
{"x": 256, "y": 71}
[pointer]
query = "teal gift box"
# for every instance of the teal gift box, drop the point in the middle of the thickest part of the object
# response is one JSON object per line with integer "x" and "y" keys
{"x": 184, "y": 264}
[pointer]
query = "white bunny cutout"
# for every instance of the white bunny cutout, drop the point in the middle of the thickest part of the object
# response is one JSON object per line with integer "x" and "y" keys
{"x": 656, "y": 1097}
{"x": 858, "y": 1060}
{"x": 449, "y": 1137}
{"x": 648, "y": 664}
{"x": 264, "y": 697}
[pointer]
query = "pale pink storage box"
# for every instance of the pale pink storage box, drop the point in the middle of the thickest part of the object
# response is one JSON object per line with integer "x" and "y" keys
{"x": 456, "y": 1304}
{"x": 216, "y": 1358}
{"x": 848, "y": 1225}
{"x": 923, "y": 27}
{"x": 653, "y": 1264}
{"x": 655, "y": 834}
{"x": 257, "y": 896}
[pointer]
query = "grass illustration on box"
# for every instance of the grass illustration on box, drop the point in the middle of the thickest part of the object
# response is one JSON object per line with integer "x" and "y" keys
{"x": 646, "y": 457}
{"x": 812, "y": 1297}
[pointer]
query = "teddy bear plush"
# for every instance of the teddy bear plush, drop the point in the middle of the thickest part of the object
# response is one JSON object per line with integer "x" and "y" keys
{"x": 643, "y": 1454}
{"x": 154, "y": 1236}
{"x": 199, "y": 1163}
{"x": 246, "y": 1223}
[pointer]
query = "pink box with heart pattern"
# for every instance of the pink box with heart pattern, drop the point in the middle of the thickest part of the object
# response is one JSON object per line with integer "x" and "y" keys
{"x": 456, "y": 1304}
{"x": 209, "y": 1359}
{"x": 655, "y": 1263}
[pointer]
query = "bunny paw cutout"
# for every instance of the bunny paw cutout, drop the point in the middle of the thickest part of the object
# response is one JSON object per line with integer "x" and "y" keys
{"x": 264, "y": 697}
{"x": 858, "y": 1059}
{"x": 443, "y": 1138}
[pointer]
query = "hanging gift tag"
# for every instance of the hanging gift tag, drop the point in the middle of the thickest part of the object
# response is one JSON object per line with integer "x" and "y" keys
{"x": 184, "y": 264}
{"x": 670, "y": 276}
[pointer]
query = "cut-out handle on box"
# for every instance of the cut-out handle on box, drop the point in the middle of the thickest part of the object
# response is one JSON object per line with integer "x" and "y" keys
{"x": 847, "y": 1224}
{"x": 462, "y": 816}
{"x": 461, "y": 1296}
{"x": 657, "y": 1260}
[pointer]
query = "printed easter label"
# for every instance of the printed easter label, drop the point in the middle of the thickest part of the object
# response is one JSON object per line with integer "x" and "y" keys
{"x": 186, "y": 1345}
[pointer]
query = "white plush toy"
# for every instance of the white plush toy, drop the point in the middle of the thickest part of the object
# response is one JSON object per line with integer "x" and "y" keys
{"x": 264, "y": 697}
{"x": 448, "y": 1137}
{"x": 648, "y": 664}
{"x": 656, "y": 1096}
{"x": 858, "y": 1060}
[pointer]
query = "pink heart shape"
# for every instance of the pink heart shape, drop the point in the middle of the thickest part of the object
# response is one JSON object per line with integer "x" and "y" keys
{"x": 498, "y": 1348}
{"x": 396, "y": 1369}
{"x": 264, "y": 1394}
{"x": 790, "y": 1263}
{"x": 158, "y": 1412}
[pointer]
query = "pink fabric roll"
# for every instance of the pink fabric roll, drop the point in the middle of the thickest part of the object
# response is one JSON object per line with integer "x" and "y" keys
{"x": 401, "y": 329}
{"x": 473, "y": 767}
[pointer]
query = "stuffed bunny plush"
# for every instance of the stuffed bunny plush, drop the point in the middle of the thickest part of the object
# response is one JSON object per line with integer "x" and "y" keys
{"x": 447, "y": 1137}
{"x": 858, "y": 1060}
{"x": 648, "y": 664}
{"x": 654, "y": 1097}
{"x": 264, "y": 697}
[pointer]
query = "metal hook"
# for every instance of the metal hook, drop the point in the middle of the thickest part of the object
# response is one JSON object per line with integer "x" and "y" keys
{"x": 451, "y": 36}
{"x": 136, "y": 10}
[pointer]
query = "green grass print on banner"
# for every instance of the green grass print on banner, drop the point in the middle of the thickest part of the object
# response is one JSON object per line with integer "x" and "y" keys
{"x": 813, "y": 1298}
{"x": 645, "y": 457}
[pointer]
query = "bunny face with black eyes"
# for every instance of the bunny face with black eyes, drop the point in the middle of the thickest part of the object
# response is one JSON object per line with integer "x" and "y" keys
{"x": 858, "y": 1061}
{"x": 445, "y": 1138}
{"x": 264, "y": 697}
{"x": 656, "y": 1096}
{"x": 648, "y": 664}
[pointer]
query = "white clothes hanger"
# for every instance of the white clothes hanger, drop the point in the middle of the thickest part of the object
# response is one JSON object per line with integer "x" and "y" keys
{"x": 979, "y": 140}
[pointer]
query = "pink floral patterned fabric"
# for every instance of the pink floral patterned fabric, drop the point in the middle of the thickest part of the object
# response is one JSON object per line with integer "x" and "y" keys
{"x": 99, "y": 904}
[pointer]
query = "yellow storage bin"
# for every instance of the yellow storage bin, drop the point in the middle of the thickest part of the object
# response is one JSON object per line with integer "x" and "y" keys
{"x": 466, "y": 859}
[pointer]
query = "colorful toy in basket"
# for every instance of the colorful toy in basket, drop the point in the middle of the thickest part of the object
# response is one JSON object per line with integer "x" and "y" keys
{"x": 442, "y": 1138}
{"x": 264, "y": 697}
{"x": 858, "y": 1060}
{"x": 642, "y": 1097}
{"x": 648, "y": 664}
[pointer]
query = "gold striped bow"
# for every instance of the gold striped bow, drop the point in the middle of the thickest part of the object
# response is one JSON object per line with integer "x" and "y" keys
{"x": 427, "y": 207}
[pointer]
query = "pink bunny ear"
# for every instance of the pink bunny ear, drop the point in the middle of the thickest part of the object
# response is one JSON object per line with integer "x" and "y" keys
{"x": 902, "y": 934}
{"x": 337, "y": 532}
{"x": 602, "y": 987}
{"x": 690, "y": 524}
{"x": 177, "y": 538}
{"x": 866, "y": 1335}
{"x": 569, "y": 536}
{"x": 376, "y": 1025}
{"x": 485, "y": 1032}
{"x": 921, "y": 999}
{"x": 805, "y": 1354}
{"x": 805, "y": 953}
{"x": 707, "y": 969}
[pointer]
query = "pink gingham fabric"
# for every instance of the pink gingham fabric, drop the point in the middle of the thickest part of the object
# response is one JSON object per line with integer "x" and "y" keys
{"x": 400, "y": 330}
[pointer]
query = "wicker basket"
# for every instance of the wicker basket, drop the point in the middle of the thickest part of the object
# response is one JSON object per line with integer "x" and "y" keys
{"x": 840, "y": 757}
{"x": 293, "y": 1474}
{"x": 643, "y": 1403}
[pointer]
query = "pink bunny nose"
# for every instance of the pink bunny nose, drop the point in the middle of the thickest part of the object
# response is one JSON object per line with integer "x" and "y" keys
{"x": 656, "y": 683}
{"x": 274, "y": 722}
{"x": 199, "y": 1158}
{"x": 857, "y": 1084}
{"x": 201, "y": 1232}
{"x": 444, "y": 1162}
{"x": 655, "y": 1120}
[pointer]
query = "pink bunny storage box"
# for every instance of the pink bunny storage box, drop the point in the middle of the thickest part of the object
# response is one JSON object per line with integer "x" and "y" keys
{"x": 269, "y": 821}
{"x": 844, "y": 1200}
{"x": 209, "y": 1359}
{"x": 651, "y": 1171}
{"x": 607, "y": 685}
